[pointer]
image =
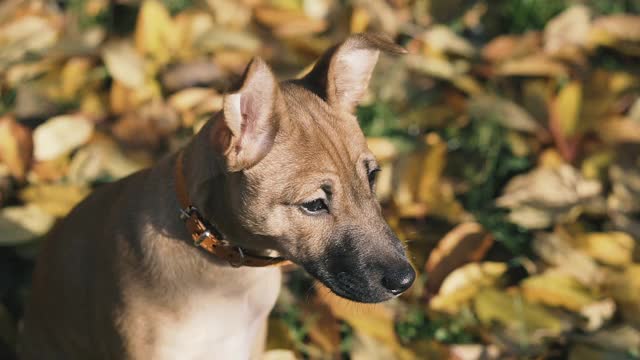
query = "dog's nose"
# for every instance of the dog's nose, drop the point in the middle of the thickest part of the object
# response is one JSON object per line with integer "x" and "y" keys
{"x": 399, "y": 280}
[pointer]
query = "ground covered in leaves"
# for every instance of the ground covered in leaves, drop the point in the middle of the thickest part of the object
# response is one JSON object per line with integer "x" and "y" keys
{"x": 509, "y": 139}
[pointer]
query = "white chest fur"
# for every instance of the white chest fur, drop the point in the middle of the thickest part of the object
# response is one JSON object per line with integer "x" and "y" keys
{"x": 218, "y": 325}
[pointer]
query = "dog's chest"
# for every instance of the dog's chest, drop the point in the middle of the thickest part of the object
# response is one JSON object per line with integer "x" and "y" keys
{"x": 217, "y": 325}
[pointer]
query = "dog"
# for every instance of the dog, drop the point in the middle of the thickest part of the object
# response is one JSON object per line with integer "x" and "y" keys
{"x": 179, "y": 261}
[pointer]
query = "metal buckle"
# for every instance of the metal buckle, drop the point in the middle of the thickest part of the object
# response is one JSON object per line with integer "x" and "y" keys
{"x": 241, "y": 262}
{"x": 201, "y": 238}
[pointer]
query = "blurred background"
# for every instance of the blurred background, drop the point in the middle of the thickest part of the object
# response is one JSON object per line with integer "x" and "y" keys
{"x": 509, "y": 139}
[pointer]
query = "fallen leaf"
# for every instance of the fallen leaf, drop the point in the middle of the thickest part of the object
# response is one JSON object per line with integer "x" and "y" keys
{"x": 23, "y": 35}
{"x": 191, "y": 74}
{"x": 382, "y": 148}
{"x": 74, "y": 77}
{"x": 526, "y": 322}
{"x": 101, "y": 159}
{"x": 16, "y": 146}
{"x": 147, "y": 126}
{"x": 569, "y": 29}
{"x": 155, "y": 35}
{"x": 533, "y": 65}
{"x": 506, "y": 112}
{"x": 323, "y": 328}
{"x": 474, "y": 352}
{"x": 374, "y": 321}
{"x": 279, "y": 354}
{"x": 556, "y": 288}
{"x": 555, "y": 249}
{"x": 441, "y": 39}
{"x": 615, "y": 130}
{"x": 565, "y": 109}
{"x": 60, "y": 135}
{"x": 551, "y": 192}
{"x": 467, "y": 242}
{"x": 124, "y": 63}
{"x": 461, "y": 286}
{"x": 618, "y": 27}
{"x": 505, "y": 47}
{"x": 624, "y": 287}
{"x": 598, "y": 313}
{"x": 54, "y": 199}
{"x": 622, "y": 338}
{"x": 611, "y": 248}
{"x": 21, "y": 224}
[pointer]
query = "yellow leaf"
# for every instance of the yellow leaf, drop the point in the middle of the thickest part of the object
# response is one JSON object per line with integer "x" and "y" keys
{"x": 55, "y": 199}
{"x": 124, "y": 63}
{"x": 375, "y": 321}
{"x": 566, "y": 108}
{"x": 16, "y": 146}
{"x": 19, "y": 224}
{"x": 59, "y": 135}
{"x": 461, "y": 285}
{"x": 467, "y": 242}
{"x": 557, "y": 289}
{"x": 74, "y": 77}
{"x": 155, "y": 34}
{"x": 516, "y": 313}
{"x": 624, "y": 287}
{"x": 359, "y": 20}
{"x": 382, "y": 148}
{"x": 611, "y": 248}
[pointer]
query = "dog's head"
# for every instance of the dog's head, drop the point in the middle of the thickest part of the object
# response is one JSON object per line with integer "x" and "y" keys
{"x": 300, "y": 178}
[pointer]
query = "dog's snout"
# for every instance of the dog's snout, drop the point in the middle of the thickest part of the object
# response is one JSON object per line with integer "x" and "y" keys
{"x": 399, "y": 280}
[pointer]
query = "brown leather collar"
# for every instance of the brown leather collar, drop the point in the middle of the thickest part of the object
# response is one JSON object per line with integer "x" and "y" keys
{"x": 208, "y": 237}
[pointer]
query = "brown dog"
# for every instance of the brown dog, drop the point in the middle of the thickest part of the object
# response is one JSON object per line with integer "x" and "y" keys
{"x": 284, "y": 169}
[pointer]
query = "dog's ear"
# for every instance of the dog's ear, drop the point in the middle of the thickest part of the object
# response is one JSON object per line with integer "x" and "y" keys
{"x": 250, "y": 121}
{"x": 341, "y": 76}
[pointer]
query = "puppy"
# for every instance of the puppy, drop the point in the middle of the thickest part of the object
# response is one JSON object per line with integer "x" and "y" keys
{"x": 178, "y": 261}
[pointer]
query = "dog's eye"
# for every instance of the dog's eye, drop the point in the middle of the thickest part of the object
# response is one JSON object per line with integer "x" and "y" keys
{"x": 372, "y": 176}
{"x": 315, "y": 206}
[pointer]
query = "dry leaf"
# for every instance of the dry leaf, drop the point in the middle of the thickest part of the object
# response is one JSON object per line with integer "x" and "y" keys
{"x": 441, "y": 39}
{"x": 60, "y": 135}
{"x": 23, "y": 35}
{"x": 20, "y": 224}
{"x": 505, "y": 112}
{"x": 382, "y": 148}
{"x": 556, "y": 288}
{"x": 534, "y": 65}
{"x": 16, "y": 146}
{"x": 148, "y": 126}
{"x": 467, "y": 242}
{"x": 506, "y": 47}
{"x": 324, "y": 329}
{"x": 555, "y": 249}
{"x": 611, "y": 248}
{"x": 619, "y": 130}
{"x": 624, "y": 287}
{"x": 462, "y": 285}
{"x": 279, "y": 354}
{"x": 546, "y": 195}
{"x": 124, "y": 63}
{"x": 526, "y": 322}
{"x": 569, "y": 29}
{"x": 598, "y": 313}
{"x": 155, "y": 35}
{"x": 565, "y": 109}
{"x": 618, "y": 27}
{"x": 100, "y": 159}
{"x": 55, "y": 199}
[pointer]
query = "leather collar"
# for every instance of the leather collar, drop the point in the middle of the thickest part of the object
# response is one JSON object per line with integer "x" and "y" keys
{"x": 207, "y": 237}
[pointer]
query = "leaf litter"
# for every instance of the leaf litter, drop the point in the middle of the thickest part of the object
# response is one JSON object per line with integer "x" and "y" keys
{"x": 509, "y": 155}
